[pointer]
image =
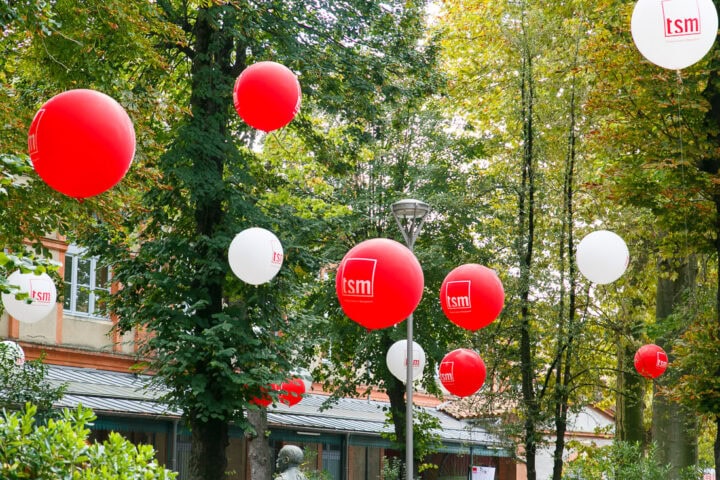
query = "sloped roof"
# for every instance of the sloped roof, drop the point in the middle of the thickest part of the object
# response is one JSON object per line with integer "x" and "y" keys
{"x": 123, "y": 394}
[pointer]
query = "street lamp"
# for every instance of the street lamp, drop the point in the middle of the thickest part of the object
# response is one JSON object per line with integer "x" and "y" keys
{"x": 410, "y": 216}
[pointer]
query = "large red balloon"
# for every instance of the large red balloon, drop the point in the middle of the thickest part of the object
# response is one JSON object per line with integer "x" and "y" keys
{"x": 81, "y": 143}
{"x": 462, "y": 372}
{"x": 267, "y": 96}
{"x": 379, "y": 283}
{"x": 651, "y": 361}
{"x": 472, "y": 296}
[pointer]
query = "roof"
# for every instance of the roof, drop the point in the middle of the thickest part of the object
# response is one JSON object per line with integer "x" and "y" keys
{"x": 125, "y": 394}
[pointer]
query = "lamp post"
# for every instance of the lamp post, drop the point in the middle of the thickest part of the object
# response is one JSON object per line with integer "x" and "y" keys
{"x": 410, "y": 216}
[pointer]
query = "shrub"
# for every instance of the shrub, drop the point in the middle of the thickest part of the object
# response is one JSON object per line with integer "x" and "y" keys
{"x": 59, "y": 449}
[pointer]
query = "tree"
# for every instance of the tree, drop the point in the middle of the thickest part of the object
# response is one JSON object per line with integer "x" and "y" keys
{"x": 411, "y": 155}
{"x": 26, "y": 384}
{"x": 526, "y": 99}
{"x": 212, "y": 340}
{"x": 669, "y": 171}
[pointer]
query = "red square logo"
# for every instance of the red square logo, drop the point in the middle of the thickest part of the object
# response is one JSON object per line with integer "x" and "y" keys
{"x": 358, "y": 277}
{"x": 457, "y": 296}
{"x": 446, "y": 372}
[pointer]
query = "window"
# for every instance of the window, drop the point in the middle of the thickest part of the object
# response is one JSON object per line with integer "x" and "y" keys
{"x": 85, "y": 281}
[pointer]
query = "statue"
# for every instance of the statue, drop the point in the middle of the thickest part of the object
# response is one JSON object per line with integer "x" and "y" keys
{"x": 288, "y": 461}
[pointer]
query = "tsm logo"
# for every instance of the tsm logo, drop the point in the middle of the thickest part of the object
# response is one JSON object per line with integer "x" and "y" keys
{"x": 358, "y": 277}
{"x": 446, "y": 372}
{"x": 681, "y": 18}
{"x": 40, "y": 292}
{"x": 277, "y": 256}
{"x": 457, "y": 296}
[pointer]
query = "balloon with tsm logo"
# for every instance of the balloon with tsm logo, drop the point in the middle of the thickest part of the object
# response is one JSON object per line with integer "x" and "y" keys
{"x": 396, "y": 360}
{"x": 41, "y": 296}
{"x": 472, "y": 296}
{"x": 674, "y": 34}
{"x": 255, "y": 255}
{"x": 650, "y": 361}
{"x": 462, "y": 372}
{"x": 12, "y": 355}
{"x": 379, "y": 283}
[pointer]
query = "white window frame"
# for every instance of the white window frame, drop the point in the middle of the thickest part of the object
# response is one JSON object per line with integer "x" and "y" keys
{"x": 78, "y": 253}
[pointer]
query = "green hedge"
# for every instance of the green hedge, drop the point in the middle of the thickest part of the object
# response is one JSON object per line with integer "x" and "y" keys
{"x": 60, "y": 450}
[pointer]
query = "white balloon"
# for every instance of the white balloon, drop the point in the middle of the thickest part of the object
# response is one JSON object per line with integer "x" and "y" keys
{"x": 255, "y": 255}
{"x": 12, "y": 355}
{"x": 41, "y": 291}
{"x": 396, "y": 359}
{"x": 602, "y": 256}
{"x": 674, "y": 34}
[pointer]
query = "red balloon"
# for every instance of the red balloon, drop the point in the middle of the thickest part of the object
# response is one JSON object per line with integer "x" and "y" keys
{"x": 462, "y": 372}
{"x": 651, "y": 361}
{"x": 263, "y": 401}
{"x": 267, "y": 96}
{"x": 81, "y": 143}
{"x": 291, "y": 392}
{"x": 379, "y": 283}
{"x": 472, "y": 296}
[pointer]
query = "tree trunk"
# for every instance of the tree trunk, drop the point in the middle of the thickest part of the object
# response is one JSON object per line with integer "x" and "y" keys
{"x": 526, "y": 237}
{"x": 630, "y": 406}
{"x": 567, "y": 315}
{"x": 207, "y": 456}
{"x": 674, "y": 427}
{"x": 716, "y": 445}
{"x": 259, "y": 453}
{"x": 210, "y": 82}
{"x": 396, "y": 395}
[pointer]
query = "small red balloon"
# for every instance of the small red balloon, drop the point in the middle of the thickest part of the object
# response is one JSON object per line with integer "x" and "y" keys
{"x": 267, "y": 96}
{"x": 379, "y": 283}
{"x": 462, "y": 372}
{"x": 81, "y": 143}
{"x": 651, "y": 361}
{"x": 472, "y": 296}
{"x": 263, "y": 401}
{"x": 291, "y": 392}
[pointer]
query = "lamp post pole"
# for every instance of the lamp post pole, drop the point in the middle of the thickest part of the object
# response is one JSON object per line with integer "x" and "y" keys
{"x": 410, "y": 216}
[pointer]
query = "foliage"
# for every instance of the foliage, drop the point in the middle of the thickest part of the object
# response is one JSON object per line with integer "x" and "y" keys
{"x": 524, "y": 94}
{"x": 60, "y": 449}
{"x": 619, "y": 461}
{"x": 426, "y": 436}
{"x": 309, "y": 468}
{"x": 698, "y": 385}
{"x": 201, "y": 175}
{"x": 26, "y": 384}
{"x": 391, "y": 468}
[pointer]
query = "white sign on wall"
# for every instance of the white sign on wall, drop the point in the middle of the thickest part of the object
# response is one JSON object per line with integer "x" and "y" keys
{"x": 483, "y": 473}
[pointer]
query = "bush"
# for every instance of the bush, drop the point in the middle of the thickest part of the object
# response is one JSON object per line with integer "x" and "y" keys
{"x": 60, "y": 449}
{"x": 620, "y": 461}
